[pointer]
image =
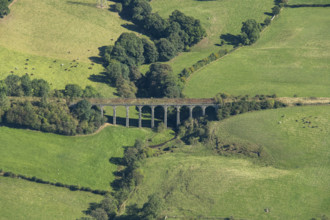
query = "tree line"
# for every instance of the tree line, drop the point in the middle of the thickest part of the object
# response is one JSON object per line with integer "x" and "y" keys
{"x": 129, "y": 179}
{"x": 46, "y": 115}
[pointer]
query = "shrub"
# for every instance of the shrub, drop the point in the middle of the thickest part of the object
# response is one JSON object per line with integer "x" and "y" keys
{"x": 118, "y": 7}
{"x": 267, "y": 21}
{"x": 276, "y": 10}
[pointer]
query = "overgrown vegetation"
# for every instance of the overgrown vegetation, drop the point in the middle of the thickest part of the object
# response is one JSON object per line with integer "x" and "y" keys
{"x": 45, "y": 115}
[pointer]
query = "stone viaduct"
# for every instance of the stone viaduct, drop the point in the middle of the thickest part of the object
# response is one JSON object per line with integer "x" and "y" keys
{"x": 152, "y": 104}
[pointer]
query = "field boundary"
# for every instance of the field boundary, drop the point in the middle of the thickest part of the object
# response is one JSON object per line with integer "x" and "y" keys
{"x": 57, "y": 184}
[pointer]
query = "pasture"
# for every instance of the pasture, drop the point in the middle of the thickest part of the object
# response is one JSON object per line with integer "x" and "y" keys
{"x": 291, "y": 58}
{"x": 39, "y": 36}
{"x": 21, "y": 199}
{"x": 196, "y": 182}
{"x": 217, "y": 17}
{"x": 82, "y": 160}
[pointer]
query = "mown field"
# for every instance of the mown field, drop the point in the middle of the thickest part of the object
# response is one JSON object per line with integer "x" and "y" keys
{"x": 21, "y": 199}
{"x": 80, "y": 161}
{"x": 291, "y": 58}
{"x": 196, "y": 182}
{"x": 217, "y": 17}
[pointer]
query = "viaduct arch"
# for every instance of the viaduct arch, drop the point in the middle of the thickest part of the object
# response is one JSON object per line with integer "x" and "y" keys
{"x": 152, "y": 104}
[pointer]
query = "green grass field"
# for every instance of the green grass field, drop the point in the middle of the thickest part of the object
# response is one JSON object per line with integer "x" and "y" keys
{"x": 291, "y": 57}
{"x": 81, "y": 160}
{"x": 45, "y": 31}
{"x": 217, "y": 17}
{"x": 196, "y": 182}
{"x": 22, "y": 199}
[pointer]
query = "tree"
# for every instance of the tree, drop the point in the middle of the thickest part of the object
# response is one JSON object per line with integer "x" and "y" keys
{"x": 189, "y": 25}
{"x": 4, "y": 10}
{"x": 3, "y": 87}
{"x": 276, "y": 10}
{"x": 140, "y": 9}
{"x": 83, "y": 110}
{"x": 73, "y": 90}
{"x": 166, "y": 49}
{"x": 156, "y": 26}
{"x": 267, "y": 21}
{"x": 40, "y": 87}
{"x": 161, "y": 82}
{"x": 250, "y": 31}
{"x": 125, "y": 88}
{"x": 153, "y": 208}
{"x": 13, "y": 85}
{"x": 26, "y": 85}
{"x": 150, "y": 51}
{"x": 99, "y": 214}
{"x": 90, "y": 92}
{"x": 128, "y": 49}
{"x": 118, "y": 7}
{"x": 109, "y": 205}
{"x": 116, "y": 70}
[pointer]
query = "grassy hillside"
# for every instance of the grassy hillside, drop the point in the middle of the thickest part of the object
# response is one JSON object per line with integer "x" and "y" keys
{"x": 196, "y": 182}
{"x": 26, "y": 200}
{"x": 55, "y": 27}
{"x": 81, "y": 160}
{"x": 61, "y": 31}
{"x": 291, "y": 57}
{"x": 217, "y": 17}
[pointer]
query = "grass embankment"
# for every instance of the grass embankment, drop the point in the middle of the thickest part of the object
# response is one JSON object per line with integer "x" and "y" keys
{"x": 45, "y": 31}
{"x": 195, "y": 182}
{"x": 21, "y": 199}
{"x": 80, "y": 160}
{"x": 291, "y": 57}
{"x": 217, "y": 17}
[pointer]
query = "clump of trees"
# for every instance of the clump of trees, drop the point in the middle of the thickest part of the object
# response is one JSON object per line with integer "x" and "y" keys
{"x": 194, "y": 130}
{"x": 240, "y": 105}
{"x": 250, "y": 31}
{"x": 54, "y": 117}
{"x": 160, "y": 82}
{"x": 168, "y": 37}
{"x": 4, "y": 9}
{"x": 45, "y": 115}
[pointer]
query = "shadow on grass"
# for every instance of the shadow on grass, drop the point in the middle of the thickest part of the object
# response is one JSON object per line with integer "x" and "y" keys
{"x": 101, "y": 78}
{"x": 269, "y": 13}
{"x": 231, "y": 39}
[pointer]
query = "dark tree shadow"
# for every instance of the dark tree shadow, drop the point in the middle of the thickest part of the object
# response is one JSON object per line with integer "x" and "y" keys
{"x": 269, "y": 13}
{"x": 98, "y": 59}
{"x": 135, "y": 28}
{"x": 82, "y": 3}
{"x": 92, "y": 206}
{"x": 101, "y": 78}
{"x": 231, "y": 39}
{"x": 308, "y": 5}
{"x": 117, "y": 161}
